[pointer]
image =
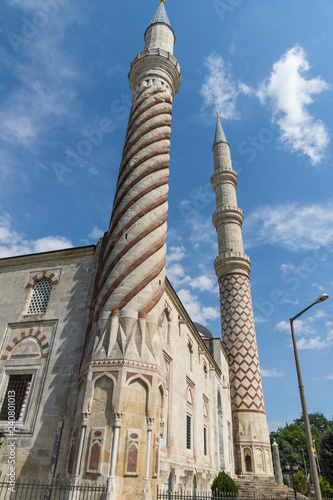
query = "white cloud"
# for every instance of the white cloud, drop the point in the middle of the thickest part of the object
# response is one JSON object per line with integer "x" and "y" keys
{"x": 176, "y": 253}
{"x": 292, "y": 226}
{"x": 176, "y": 274}
{"x": 205, "y": 284}
{"x": 330, "y": 377}
{"x": 96, "y": 233}
{"x": 13, "y": 243}
{"x": 309, "y": 344}
{"x": 301, "y": 327}
{"x": 196, "y": 310}
{"x": 259, "y": 320}
{"x": 318, "y": 286}
{"x": 271, "y": 373}
{"x": 220, "y": 89}
{"x": 289, "y": 94}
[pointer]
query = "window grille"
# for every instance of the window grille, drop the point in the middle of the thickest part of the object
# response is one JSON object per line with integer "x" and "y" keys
{"x": 188, "y": 432}
{"x": 16, "y": 396}
{"x": 40, "y": 297}
{"x": 165, "y": 328}
{"x": 205, "y": 440}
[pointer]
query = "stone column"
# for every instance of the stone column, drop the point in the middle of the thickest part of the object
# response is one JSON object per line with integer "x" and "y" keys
{"x": 112, "y": 479}
{"x": 277, "y": 463}
{"x": 81, "y": 444}
{"x": 146, "y": 492}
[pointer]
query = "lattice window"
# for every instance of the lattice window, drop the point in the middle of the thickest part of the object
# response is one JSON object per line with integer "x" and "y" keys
{"x": 205, "y": 440}
{"x": 189, "y": 432}
{"x": 40, "y": 297}
{"x": 16, "y": 397}
{"x": 165, "y": 325}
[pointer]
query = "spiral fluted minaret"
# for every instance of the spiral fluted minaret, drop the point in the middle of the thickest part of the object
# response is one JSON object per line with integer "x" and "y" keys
{"x": 131, "y": 278}
{"x": 233, "y": 267}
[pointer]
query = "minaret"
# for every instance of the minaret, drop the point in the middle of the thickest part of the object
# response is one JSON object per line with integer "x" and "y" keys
{"x": 131, "y": 282}
{"x": 122, "y": 363}
{"x": 233, "y": 267}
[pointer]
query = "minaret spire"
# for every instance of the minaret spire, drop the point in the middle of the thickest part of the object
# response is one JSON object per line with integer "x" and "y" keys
{"x": 161, "y": 15}
{"x": 233, "y": 267}
{"x": 219, "y": 133}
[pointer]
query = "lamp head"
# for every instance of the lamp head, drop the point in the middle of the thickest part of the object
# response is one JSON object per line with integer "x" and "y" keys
{"x": 322, "y": 297}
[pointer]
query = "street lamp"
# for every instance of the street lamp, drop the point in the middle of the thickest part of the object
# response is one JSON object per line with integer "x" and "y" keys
{"x": 305, "y": 470}
{"x": 313, "y": 468}
{"x": 290, "y": 470}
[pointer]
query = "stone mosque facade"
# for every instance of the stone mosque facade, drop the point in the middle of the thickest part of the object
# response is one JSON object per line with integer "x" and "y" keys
{"x": 113, "y": 381}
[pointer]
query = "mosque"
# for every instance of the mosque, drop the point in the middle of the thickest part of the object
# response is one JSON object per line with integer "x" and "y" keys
{"x": 113, "y": 381}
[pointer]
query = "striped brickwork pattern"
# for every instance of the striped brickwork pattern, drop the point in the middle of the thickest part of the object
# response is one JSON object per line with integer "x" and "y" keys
{"x": 239, "y": 340}
{"x": 133, "y": 255}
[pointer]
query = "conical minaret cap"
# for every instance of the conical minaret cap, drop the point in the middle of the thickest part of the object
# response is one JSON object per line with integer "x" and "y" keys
{"x": 161, "y": 16}
{"x": 219, "y": 134}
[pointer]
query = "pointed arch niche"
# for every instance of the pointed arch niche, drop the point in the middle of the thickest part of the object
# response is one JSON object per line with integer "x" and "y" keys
{"x": 135, "y": 424}
{"x": 24, "y": 361}
{"x": 100, "y": 423}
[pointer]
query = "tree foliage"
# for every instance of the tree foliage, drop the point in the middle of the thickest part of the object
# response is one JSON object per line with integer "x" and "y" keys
{"x": 224, "y": 484}
{"x": 326, "y": 453}
{"x": 291, "y": 437}
{"x": 301, "y": 483}
{"x": 325, "y": 488}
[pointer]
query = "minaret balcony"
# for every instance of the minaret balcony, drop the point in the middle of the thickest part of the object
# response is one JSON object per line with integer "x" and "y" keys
{"x": 232, "y": 263}
{"x": 226, "y": 174}
{"x": 155, "y": 63}
{"x": 228, "y": 214}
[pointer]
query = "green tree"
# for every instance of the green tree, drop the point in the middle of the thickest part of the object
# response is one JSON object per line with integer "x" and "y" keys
{"x": 291, "y": 437}
{"x": 224, "y": 484}
{"x": 301, "y": 483}
{"x": 326, "y": 453}
{"x": 325, "y": 488}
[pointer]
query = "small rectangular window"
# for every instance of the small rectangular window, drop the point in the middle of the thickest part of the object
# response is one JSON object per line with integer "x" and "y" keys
{"x": 165, "y": 328}
{"x": 188, "y": 432}
{"x": 16, "y": 396}
{"x": 205, "y": 440}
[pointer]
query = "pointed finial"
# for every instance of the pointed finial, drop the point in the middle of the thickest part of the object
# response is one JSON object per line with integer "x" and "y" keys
{"x": 162, "y": 1}
{"x": 219, "y": 133}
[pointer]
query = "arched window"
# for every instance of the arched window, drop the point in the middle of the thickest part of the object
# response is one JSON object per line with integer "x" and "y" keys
{"x": 40, "y": 297}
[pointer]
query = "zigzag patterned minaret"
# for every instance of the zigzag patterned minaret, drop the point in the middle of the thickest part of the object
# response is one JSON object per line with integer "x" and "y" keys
{"x": 232, "y": 267}
{"x": 130, "y": 283}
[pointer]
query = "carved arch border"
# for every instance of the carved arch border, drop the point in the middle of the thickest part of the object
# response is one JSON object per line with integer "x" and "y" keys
{"x": 98, "y": 375}
{"x": 32, "y": 332}
{"x": 50, "y": 275}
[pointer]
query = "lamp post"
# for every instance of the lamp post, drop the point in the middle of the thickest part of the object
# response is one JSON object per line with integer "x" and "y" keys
{"x": 313, "y": 468}
{"x": 305, "y": 469}
{"x": 291, "y": 469}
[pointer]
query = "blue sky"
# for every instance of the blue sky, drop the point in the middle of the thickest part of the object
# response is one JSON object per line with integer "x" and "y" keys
{"x": 266, "y": 66}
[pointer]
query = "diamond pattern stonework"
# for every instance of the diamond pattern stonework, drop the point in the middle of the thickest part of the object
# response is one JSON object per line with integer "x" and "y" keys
{"x": 239, "y": 340}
